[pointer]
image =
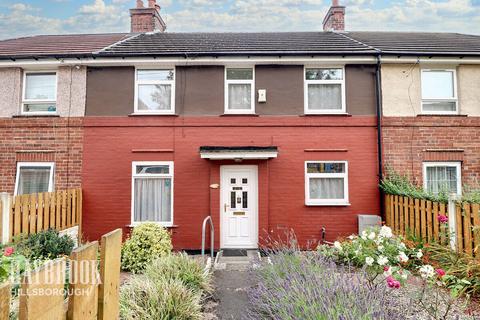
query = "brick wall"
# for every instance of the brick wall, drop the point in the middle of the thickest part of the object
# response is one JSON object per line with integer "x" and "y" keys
{"x": 112, "y": 143}
{"x": 409, "y": 141}
{"x": 41, "y": 139}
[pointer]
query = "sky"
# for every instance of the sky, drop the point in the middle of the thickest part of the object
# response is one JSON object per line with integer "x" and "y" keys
{"x": 30, "y": 17}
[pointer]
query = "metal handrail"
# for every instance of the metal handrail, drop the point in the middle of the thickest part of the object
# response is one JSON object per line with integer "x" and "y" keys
{"x": 212, "y": 235}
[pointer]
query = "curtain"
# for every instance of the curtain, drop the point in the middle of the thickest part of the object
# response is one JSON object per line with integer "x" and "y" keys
{"x": 324, "y": 96}
{"x": 40, "y": 86}
{"x": 33, "y": 180}
{"x": 152, "y": 199}
{"x": 154, "y": 97}
{"x": 440, "y": 106}
{"x": 239, "y": 96}
{"x": 327, "y": 188}
{"x": 441, "y": 179}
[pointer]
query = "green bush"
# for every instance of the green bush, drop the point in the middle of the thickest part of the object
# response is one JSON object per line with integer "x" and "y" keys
{"x": 147, "y": 242}
{"x": 143, "y": 298}
{"x": 44, "y": 245}
{"x": 181, "y": 267}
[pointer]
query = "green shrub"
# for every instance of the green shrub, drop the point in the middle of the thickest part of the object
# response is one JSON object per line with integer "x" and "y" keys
{"x": 45, "y": 245}
{"x": 181, "y": 267}
{"x": 147, "y": 242}
{"x": 145, "y": 299}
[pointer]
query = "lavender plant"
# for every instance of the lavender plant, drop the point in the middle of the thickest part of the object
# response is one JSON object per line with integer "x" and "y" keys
{"x": 295, "y": 285}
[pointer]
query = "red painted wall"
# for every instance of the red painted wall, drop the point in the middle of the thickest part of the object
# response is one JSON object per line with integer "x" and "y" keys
{"x": 111, "y": 144}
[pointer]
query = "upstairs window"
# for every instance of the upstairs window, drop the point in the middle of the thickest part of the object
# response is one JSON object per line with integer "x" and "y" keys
{"x": 439, "y": 92}
{"x": 155, "y": 91}
{"x": 34, "y": 177}
{"x": 39, "y": 93}
{"x": 326, "y": 183}
{"x": 324, "y": 90}
{"x": 152, "y": 192}
{"x": 442, "y": 177}
{"x": 239, "y": 91}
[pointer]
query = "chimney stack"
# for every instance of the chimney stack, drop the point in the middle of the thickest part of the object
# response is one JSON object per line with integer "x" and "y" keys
{"x": 335, "y": 18}
{"x": 146, "y": 19}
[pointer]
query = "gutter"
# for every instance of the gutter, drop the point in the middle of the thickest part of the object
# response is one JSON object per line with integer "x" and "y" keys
{"x": 378, "y": 93}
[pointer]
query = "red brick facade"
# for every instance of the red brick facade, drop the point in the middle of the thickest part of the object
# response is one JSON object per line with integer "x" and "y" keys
{"x": 409, "y": 141}
{"x": 111, "y": 144}
{"x": 41, "y": 139}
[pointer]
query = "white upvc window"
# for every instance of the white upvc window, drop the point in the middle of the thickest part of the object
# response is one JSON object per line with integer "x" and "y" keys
{"x": 155, "y": 91}
{"x": 39, "y": 95}
{"x": 439, "y": 91}
{"x": 442, "y": 177}
{"x": 240, "y": 90}
{"x": 324, "y": 90}
{"x": 34, "y": 177}
{"x": 152, "y": 192}
{"x": 326, "y": 183}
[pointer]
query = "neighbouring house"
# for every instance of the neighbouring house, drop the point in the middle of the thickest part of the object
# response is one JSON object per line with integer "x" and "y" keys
{"x": 265, "y": 132}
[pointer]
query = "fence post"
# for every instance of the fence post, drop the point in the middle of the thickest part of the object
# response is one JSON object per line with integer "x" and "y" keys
{"x": 452, "y": 223}
{"x": 5, "y": 296}
{"x": 5, "y": 217}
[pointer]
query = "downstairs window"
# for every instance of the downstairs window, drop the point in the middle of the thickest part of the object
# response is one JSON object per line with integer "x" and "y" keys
{"x": 34, "y": 177}
{"x": 326, "y": 183}
{"x": 442, "y": 177}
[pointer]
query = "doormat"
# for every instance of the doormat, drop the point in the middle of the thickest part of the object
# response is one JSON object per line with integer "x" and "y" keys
{"x": 234, "y": 253}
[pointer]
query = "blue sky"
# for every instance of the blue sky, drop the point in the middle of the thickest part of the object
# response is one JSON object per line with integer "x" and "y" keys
{"x": 29, "y": 17}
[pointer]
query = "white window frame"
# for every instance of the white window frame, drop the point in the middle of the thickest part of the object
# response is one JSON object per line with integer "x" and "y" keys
{"x": 429, "y": 99}
{"x": 326, "y": 202}
{"x": 169, "y": 82}
{"x": 26, "y": 101}
{"x": 135, "y": 175}
{"x": 250, "y": 82}
{"x": 50, "y": 165}
{"x": 456, "y": 164}
{"x": 307, "y": 82}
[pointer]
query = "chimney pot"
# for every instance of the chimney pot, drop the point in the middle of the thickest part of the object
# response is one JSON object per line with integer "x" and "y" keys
{"x": 335, "y": 3}
{"x": 139, "y": 3}
{"x": 146, "y": 19}
{"x": 152, "y": 3}
{"x": 335, "y": 18}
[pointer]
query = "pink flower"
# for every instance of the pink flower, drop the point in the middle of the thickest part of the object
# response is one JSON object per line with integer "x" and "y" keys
{"x": 440, "y": 272}
{"x": 442, "y": 219}
{"x": 392, "y": 283}
{"x": 8, "y": 251}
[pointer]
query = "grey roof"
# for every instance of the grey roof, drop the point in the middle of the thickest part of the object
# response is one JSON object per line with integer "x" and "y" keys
{"x": 424, "y": 43}
{"x": 244, "y": 44}
{"x": 260, "y": 43}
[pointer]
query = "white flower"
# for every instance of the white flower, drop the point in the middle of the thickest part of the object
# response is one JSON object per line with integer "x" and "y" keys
{"x": 337, "y": 245}
{"x": 380, "y": 248}
{"x": 382, "y": 260}
{"x": 402, "y": 246}
{"x": 404, "y": 276}
{"x": 385, "y": 232}
{"x": 427, "y": 271}
{"x": 352, "y": 236}
{"x": 419, "y": 254}
{"x": 388, "y": 272}
{"x": 402, "y": 257}
{"x": 364, "y": 235}
{"x": 369, "y": 261}
{"x": 372, "y": 235}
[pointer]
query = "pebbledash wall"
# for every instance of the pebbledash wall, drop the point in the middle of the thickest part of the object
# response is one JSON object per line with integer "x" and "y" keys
{"x": 410, "y": 138}
{"x": 56, "y": 139}
{"x": 113, "y": 138}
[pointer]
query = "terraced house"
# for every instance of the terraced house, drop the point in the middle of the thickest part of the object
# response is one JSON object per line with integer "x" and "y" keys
{"x": 263, "y": 132}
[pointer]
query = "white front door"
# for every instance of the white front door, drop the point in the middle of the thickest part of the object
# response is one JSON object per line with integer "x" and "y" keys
{"x": 239, "y": 206}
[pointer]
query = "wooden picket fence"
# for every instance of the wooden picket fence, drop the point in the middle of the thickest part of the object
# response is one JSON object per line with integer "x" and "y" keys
{"x": 32, "y": 213}
{"x": 410, "y": 216}
{"x": 41, "y": 296}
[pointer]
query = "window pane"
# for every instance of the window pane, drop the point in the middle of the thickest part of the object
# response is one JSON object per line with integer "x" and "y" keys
{"x": 38, "y": 107}
{"x": 33, "y": 180}
{"x": 154, "y": 75}
{"x": 240, "y": 74}
{"x": 324, "y": 97}
{"x": 163, "y": 169}
{"x": 327, "y": 188}
{"x": 40, "y": 86}
{"x": 440, "y": 106}
{"x": 239, "y": 96}
{"x": 441, "y": 179}
{"x": 437, "y": 84}
{"x": 326, "y": 167}
{"x": 324, "y": 74}
{"x": 154, "y": 97}
{"x": 152, "y": 199}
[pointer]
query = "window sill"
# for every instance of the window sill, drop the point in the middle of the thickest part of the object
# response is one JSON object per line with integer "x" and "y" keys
{"x": 53, "y": 115}
{"x": 340, "y": 114}
{"x": 168, "y": 226}
{"x": 441, "y": 115}
{"x": 340, "y": 204}
{"x": 153, "y": 114}
{"x": 239, "y": 115}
